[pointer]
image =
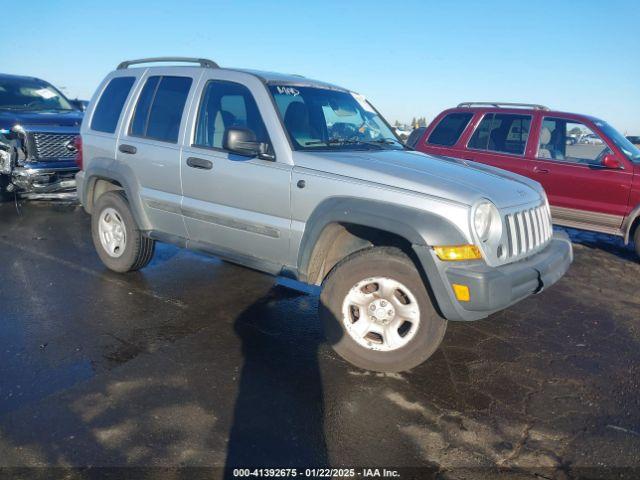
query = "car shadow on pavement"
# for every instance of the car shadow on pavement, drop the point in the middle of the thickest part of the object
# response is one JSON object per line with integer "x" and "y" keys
{"x": 602, "y": 241}
{"x": 278, "y": 419}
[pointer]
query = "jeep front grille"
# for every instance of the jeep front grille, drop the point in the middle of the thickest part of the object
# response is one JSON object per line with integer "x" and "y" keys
{"x": 53, "y": 146}
{"x": 528, "y": 231}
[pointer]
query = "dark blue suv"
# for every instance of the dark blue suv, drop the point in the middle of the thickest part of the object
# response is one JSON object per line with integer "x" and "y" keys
{"x": 39, "y": 128}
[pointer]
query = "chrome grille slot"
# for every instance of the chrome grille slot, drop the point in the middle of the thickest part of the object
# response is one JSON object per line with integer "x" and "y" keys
{"x": 53, "y": 146}
{"x": 527, "y": 231}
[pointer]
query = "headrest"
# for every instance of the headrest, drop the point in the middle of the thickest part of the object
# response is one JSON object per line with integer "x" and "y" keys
{"x": 545, "y": 136}
{"x": 297, "y": 116}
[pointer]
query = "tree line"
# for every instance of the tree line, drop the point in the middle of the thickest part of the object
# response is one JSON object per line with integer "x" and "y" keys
{"x": 415, "y": 122}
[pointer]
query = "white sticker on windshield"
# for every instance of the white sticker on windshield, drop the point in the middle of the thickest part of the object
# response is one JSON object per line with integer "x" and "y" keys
{"x": 288, "y": 91}
{"x": 45, "y": 93}
{"x": 363, "y": 102}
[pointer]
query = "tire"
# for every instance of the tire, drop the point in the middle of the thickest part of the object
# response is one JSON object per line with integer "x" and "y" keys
{"x": 133, "y": 251}
{"x": 636, "y": 240}
{"x": 356, "y": 277}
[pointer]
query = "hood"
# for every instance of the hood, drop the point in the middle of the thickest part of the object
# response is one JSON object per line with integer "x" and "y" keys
{"x": 456, "y": 180}
{"x": 71, "y": 118}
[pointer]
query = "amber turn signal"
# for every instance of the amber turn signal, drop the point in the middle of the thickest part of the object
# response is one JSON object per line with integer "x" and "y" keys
{"x": 462, "y": 292}
{"x": 458, "y": 252}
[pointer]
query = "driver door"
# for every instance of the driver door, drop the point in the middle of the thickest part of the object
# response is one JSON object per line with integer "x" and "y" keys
{"x": 581, "y": 192}
{"x": 234, "y": 205}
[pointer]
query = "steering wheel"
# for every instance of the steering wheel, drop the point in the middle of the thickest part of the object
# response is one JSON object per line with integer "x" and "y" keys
{"x": 344, "y": 130}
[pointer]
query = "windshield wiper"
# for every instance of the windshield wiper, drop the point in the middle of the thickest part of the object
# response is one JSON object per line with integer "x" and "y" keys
{"x": 332, "y": 141}
{"x": 342, "y": 141}
{"x": 386, "y": 141}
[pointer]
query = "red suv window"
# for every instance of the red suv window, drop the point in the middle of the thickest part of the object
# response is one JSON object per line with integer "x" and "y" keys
{"x": 502, "y": 132}
{"x": 569, "y": 141}
{"x": 448, "y": 131}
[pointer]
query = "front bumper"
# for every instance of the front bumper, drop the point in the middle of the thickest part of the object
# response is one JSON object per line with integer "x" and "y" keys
{"x": 44, "y": 181}
{"x": 493, "y": 289}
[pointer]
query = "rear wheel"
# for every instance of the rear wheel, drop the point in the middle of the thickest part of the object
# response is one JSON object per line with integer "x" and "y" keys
{"x": 636, "y": 240}
{"x": 377, "y": 312}
{"x": 116, "y": 237}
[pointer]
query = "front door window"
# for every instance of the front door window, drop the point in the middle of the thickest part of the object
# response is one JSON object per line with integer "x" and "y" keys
{"x": 568, "y": 141}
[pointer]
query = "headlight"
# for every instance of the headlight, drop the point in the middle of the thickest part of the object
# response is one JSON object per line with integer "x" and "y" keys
{"x": 482, "y": 219}
{"x": 487, "y": 223}
{"x": 5, "y": 161}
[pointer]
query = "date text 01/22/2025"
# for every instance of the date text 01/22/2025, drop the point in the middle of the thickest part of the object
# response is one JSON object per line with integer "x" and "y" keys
{"x": 316, "y": 473}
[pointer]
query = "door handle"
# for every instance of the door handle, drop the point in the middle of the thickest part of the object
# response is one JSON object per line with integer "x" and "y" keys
{"x": 200, "y": 163}
{"x": 540, "y": 170}
{"x": 130, "y": 149}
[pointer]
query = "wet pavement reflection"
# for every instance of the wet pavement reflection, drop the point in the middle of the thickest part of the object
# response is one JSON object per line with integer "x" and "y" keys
{"x": 197, "y": 362}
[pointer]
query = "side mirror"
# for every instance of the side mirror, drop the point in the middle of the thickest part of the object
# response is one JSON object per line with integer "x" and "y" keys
{"x": 79, "y": 104}
{"x": 243, "y": 141}
{"x": 610, "y": 161}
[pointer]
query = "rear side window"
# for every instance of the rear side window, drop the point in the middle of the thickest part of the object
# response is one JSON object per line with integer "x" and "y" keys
{"x": 502, "y": 132}
{"x": 107, "y": 111}
{"x": 480, "y": 137}
{"x": 448, "y": 131}
{"x": 159, "y": 109}
{"x": 139, "y": 123}
{"x": 224, "y": 105}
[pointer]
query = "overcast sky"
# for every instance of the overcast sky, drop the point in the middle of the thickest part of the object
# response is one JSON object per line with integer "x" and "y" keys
{"x": 410, "y": 58}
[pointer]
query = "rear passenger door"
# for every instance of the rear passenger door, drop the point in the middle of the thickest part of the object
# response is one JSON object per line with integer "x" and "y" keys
{"x": 500, "y": 139}
{"x": 234, "y": 205}
{"x": 149, "y": 145}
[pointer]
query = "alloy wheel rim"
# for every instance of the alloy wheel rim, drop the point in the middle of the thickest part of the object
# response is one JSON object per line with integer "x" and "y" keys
{"x": 112, "y": 232}
{"x": 380, "y": 314}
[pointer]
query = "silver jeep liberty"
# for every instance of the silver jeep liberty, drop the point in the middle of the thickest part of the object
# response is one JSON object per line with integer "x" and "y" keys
{"x": 305, "y": 179}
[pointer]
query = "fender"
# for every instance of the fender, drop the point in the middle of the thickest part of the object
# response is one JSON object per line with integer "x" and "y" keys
{"x": 107, "y": 169}
{"x": 628, "y": 223}
{"x": 416, "y": 226}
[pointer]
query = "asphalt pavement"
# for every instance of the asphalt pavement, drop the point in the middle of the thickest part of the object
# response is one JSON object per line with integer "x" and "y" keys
{"x": 194, "y": 365}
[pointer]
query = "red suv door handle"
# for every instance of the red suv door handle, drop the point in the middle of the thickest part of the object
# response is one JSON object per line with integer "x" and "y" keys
{"x": 540, "y": 170}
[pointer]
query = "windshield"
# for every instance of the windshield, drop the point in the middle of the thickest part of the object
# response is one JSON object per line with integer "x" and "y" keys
{"x": 323, "y": 119}
{"x": 26, "y": 94}
{"x": 629, "y": 149}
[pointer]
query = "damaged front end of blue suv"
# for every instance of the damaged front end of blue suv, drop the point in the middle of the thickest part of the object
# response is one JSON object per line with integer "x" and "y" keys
{"x": 38, "y": 131}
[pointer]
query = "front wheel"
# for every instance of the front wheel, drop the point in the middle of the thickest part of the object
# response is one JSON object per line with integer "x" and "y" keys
{"x": 116, "y": 237}
{"x": 377, "y": 312}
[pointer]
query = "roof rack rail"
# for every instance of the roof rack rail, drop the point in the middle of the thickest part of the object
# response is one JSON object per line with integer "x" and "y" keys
{"x": 503, "y": 104}
{"x": 205, "y": 63}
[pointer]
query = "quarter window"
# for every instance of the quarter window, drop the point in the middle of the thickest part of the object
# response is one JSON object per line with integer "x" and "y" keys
{"x": 224, "y": 105}
{"x": 448, "y": 131}
{"x": 159, "y": 109}
{"x": 109, "y": 107}
{"x": 567, "y": 141}
{"x": 502, "y": 132}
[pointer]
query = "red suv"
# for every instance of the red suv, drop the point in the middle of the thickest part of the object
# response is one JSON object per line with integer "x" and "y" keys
{"x": 589, "y": 170}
